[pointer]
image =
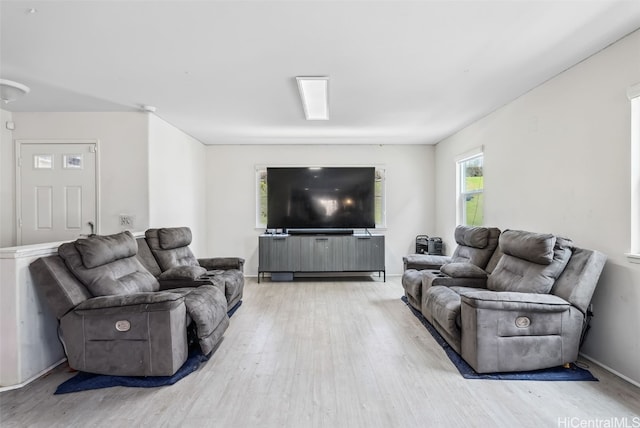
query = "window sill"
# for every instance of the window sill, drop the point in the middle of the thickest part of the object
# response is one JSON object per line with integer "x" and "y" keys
{"x": 633, "y": 257}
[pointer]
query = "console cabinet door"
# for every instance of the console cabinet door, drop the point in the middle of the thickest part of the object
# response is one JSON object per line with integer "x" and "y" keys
{"x": 279, "y": 253}
{"x": 364, "y": 253}
{"x": 321, "y": 254}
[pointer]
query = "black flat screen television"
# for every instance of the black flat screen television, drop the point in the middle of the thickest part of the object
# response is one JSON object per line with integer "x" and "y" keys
{"x": 320, "y": 198}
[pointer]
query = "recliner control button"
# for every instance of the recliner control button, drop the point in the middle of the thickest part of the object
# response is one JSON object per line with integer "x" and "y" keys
{"x": 123, "y": 325}
{"x": 523, "y": 322}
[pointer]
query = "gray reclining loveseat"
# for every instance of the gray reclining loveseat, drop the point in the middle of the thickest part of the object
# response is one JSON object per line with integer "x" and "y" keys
{"x": 114, "y": 319}
{"x": 531, "y": 311}
{"x": 166, "y": 254}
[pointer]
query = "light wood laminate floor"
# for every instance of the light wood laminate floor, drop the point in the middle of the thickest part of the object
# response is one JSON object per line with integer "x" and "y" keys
{"x": 327, "y": 353}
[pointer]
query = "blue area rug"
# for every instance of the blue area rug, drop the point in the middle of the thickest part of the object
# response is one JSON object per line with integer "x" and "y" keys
{"x": 572, "y": 373}
{"x": 233, "y": 310}
{"x": 83, "y": 381}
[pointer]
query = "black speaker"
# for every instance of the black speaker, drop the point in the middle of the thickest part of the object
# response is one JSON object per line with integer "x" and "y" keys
{"x": 422, "y": 244}
{"x": 435, "y": 246}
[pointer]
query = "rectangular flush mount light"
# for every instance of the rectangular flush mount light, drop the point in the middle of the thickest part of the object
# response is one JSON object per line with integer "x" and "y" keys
{"x": 314, "y": 92}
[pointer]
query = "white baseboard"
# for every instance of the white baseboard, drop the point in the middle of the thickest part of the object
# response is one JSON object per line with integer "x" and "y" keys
{"x": 609, "y": 369}
{"x": 31, "y": 379}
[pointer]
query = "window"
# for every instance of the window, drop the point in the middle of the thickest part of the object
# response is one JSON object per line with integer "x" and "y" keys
{"x": 261, "y": 197}
{"x": 42, "y": 161}
{"x": 261, "y": 194}
{"x": 471, "y": 189}
{"x": 634, "y": 96}
{"x": 380, "y": 211}
{"x": 72, "y": 161}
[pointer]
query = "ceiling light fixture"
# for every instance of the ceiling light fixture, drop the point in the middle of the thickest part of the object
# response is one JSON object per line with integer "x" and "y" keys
{"x": 314, "y": 92}
{"x": 11, "y": 91}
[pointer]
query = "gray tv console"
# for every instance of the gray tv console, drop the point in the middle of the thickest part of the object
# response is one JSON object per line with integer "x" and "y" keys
{"x": 284, "y": 255}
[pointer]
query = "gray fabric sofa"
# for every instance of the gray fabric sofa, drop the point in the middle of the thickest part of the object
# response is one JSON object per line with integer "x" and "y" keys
{"x": 473, "y": 257}
{"x": 529, "y": 313}
{"x": 166, "y": 254}
{"x": 114, "y": 319}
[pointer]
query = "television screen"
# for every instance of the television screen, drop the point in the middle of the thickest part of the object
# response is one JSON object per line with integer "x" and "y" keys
{"x": 331, "y": 197}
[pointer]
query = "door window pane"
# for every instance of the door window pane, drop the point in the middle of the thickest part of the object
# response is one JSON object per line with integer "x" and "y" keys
{"x": 72, "y": 161}
{"x": 43, "y": 161}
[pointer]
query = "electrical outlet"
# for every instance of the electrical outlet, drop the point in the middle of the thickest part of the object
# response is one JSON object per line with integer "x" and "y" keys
{"x": 126, "y": 220}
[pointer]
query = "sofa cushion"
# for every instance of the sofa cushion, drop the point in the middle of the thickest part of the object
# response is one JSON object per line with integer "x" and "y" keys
{"x": 100, "y": 250}
{"x": 183, "y": 272}
{"x": 463, "y": 270}
{"x": 147, "y": 258}
{"x": 176, "y": 256}
{"x": 521, "y": 275}
{"x": 476, "y": 237}
{"x": 534, "y": 247}
{"x": 125, "y": 275}
{"x": 441, "y": 307}
{"x": 174, "y": 237}
{"x": 207, "y": 307}
{"x": 445, "y": 308}
{"x": 469, "y": 238}
{"x": 412, "y": 284}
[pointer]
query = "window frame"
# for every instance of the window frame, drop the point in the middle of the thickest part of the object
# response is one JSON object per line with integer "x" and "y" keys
{"x": 633, "y": 94}
{"x": 461, "y": 194}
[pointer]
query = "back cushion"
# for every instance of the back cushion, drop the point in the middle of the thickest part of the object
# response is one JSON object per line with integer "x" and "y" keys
{"x": 531, "y": 262}
{"x": 146, "y": 257}
{"x": 170, "y": 247}
{"x": 534, "y": 247}
{"x": 476, "y": 245}
{"x": 174, "y": 237}
{"x": 98, "y": 251}
{"x": 105, "y": 265}
{"x": 476, "y": 237}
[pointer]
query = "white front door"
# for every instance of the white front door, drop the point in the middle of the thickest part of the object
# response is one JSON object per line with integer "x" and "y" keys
{"x": 56, "y": 190}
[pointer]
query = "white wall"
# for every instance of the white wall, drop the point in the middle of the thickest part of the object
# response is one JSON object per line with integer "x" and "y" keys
{"x": 177, "y": 191}
{"x": 231, "y": 193}
{"x": 7, "y": 182}
{"x": 123, "y": 158}
{"x": 558, "y": 160}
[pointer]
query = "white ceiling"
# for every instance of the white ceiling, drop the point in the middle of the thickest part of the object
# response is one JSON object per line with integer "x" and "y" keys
{"x": 224, "y": 71}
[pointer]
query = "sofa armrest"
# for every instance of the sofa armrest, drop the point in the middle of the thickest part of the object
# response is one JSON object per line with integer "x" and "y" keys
{"x": 424, "y": 261}
{"x": 141, "y": 334}
{"x": 223, "y": 263}
{"x": 138, "y": 302}
{"x": 514, "y": 301}
{"x": 511, "y": 331}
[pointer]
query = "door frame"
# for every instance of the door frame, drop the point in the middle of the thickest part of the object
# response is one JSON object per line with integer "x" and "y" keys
{"x": 18, "y": 170}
